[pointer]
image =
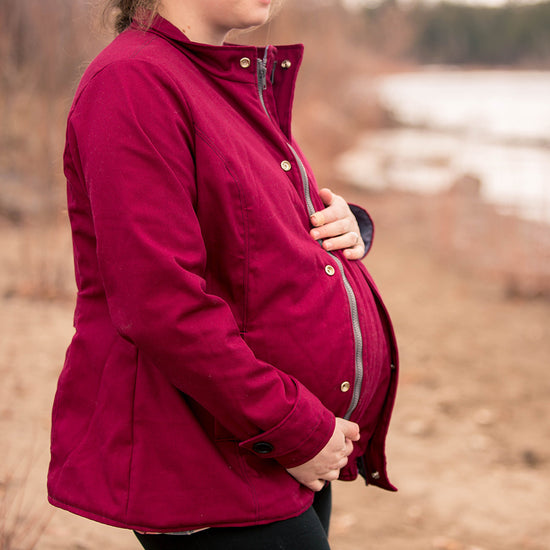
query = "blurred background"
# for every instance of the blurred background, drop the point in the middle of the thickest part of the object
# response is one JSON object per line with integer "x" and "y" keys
{"x": 434, "y": 116}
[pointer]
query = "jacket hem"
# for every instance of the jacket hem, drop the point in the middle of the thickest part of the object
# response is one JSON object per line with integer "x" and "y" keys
{"x": 113, "y": 522}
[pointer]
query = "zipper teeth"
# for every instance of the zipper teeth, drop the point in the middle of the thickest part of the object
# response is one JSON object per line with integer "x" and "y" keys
{"x": 262, "y": 79}
{"x": 357, "y": 336}
{"x": 305, "y": 181}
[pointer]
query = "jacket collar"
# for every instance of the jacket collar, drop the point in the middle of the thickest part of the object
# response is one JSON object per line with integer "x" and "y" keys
{"x": 225, "y": 61}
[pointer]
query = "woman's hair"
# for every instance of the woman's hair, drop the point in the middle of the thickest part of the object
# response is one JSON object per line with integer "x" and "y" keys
{"x": 125, "y": 11}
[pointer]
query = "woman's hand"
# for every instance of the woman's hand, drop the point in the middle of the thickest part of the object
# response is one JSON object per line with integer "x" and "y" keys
{"x": 337, "y": 227}
{"x": 326, "y": 465}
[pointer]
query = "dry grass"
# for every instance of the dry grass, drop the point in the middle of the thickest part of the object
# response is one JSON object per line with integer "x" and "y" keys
{"x": 22, "y": 521}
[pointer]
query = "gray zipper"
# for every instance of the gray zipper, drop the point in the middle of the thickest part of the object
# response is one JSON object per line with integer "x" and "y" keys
{"x": 262, "y": 78}
{"x": 357, "y": 336}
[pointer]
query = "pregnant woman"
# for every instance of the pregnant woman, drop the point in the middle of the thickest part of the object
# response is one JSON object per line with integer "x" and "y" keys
{"x": 232, "y": 355}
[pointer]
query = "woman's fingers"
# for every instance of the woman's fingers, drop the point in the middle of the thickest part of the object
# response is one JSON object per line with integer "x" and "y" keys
{"x": 356, "y": 252}
{"x": 333, "y": 229}
{"x": 326, "y": 465}
{"x": 333, "y": 475}
{"x": 348, "y": 428}
{"x": 330, "y": 213}
{"x": 315, "y": 485}
{"x": 337, "y": 227}
{"x": 347, "y": 240}
{"x": 336, "y": 209}
{"x": 343, "y": 461}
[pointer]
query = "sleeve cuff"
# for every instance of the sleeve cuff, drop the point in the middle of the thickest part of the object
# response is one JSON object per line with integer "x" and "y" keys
{"x": 366, "y": 225}
{"x": 299, "y": 436}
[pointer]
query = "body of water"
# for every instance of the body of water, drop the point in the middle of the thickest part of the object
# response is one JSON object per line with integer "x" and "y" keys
{"x": 493, "y": 125}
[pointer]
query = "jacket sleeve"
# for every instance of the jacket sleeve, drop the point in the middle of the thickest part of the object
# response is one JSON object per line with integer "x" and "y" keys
{"x": 131, "y": 135}
{"x": 366, "y": 226}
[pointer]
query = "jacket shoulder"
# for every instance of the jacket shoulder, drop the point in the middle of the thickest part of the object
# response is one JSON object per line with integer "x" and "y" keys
{"x": 133, "y": 48}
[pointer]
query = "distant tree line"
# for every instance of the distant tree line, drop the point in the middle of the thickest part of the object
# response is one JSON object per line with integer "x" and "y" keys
{"x": 452, "y": 33}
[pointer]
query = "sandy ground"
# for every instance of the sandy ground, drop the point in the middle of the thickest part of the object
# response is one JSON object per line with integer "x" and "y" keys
{"x": 469, "y": 446}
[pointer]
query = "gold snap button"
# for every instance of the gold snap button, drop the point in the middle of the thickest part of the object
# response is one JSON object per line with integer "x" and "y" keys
{"x": 244, "y": 62}
{"x": 329, "y": 270}
{"x": 345, "y": 386}
{"x": 286, "y": 166}
{"x": 286, "y": 64}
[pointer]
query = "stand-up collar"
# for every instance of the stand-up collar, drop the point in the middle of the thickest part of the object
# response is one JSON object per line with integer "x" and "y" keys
{"x": 230, "y": 60}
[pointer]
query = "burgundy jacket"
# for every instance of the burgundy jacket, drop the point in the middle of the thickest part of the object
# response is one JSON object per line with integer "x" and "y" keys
{"x": 215, "y": 339}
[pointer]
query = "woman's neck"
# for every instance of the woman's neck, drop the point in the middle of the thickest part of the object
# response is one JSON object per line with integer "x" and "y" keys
{"x": 192, "y": 24}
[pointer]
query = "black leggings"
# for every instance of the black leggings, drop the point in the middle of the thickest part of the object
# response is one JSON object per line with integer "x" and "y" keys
{"x": 309, "y": 531}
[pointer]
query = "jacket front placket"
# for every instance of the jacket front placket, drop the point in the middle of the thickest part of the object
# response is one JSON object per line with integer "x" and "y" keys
{"x": 265, "y": 66}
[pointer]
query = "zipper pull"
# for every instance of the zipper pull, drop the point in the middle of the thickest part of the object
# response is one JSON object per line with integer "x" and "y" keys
{"x": 262, "y": 74}
{"x": 262, "y": 84}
